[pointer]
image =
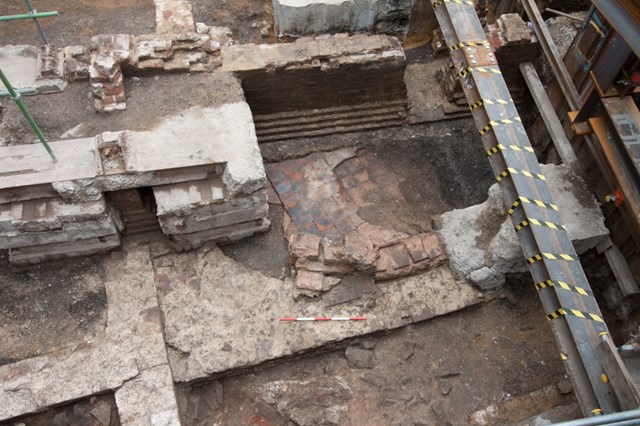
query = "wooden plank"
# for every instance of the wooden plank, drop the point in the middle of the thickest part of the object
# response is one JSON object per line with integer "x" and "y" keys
{"x": 625, "y": 117}
{"x": 624, "y": 276}
{"x": 618, "y": 375}
{"x": 555, "y": 128}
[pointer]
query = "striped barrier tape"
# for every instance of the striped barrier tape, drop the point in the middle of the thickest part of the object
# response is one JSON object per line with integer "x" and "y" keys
{"x": 528, "y": 222}
{"x": 441, "y": 2}
{"x": 468, "y": 70}
{"x": 550, "y": 256}
{"x": 464, "y": 44}
{"x": 489, "y": 102}
{"x": 500, "y": 147}
{"x": 495, "y": 123}
{"x": 512, "y": 171}
{"x": 531, "y": 201}
{"x": 565, "y": 286}
{"x": 574, "y": 312}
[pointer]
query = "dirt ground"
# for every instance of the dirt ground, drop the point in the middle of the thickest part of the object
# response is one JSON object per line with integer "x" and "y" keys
{"x": 251, "y": 21}
{"x": 79, "y": 20}
{"x": 432, "y": 373}
{"x": 50, "y": 306}
{"x": 150, "y": 99}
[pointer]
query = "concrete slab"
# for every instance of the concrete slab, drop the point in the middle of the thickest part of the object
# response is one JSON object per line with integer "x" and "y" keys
{"x": 220, "y": 316}
{"x": 305, "y": 17}
{"x": 26, "y": 165}
{"x": 205, "y": 136}
{"x": 131, "y": 348}
{"x": 19, "y": 64}
{"x": 481, "y": 241}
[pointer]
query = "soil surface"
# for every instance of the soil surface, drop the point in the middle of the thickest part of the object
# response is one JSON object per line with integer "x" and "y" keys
{"x": 432, "y": 373}
{"x": 250, "y": 21}
{"x": 79, "y": 20}
{"x": 50, "y": 306}
{"x": 99, "y": 410}
{"x": 150, "y": 100}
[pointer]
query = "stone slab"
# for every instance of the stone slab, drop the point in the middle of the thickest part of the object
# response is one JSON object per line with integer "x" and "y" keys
{"x": 306, "y": 17}
{"x": 69, "y": 232}
{"x": 354, "y": 49}
{"x": 184, "y": 197}
{"x": 206, "y": 136}
{"x": 148, "y": 399}
{"x": 26, "y": 165}
{"x": 199, "y": 136}
{"x": 85, "y": 247}
{"x": 130, "y": 348}
{"x": 225, "y": 233}
{"x": 196, "y": 223}
{"x": 19, "y": 64}
{"x": 225, "y": 305}
{"x": 481, "y": 241}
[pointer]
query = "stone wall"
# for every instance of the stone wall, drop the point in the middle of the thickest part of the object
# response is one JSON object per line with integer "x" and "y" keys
{"x": 320, "y": 85}
{"x": 51, "y": 228}
{"x": 197, "y": 211}
{"x": 208, "y": 185}
{"x": 307, "y": 17}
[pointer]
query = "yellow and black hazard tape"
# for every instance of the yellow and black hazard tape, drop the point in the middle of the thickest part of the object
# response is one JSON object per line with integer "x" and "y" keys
{"x": 441, "y": 2}
{"x": 496, "y": 123}
{"x": 464, "y": 44}
{"x": 468, "y": 70}
{"x": 500, "y": 147}
{"x": 531, "y": 221}
{"x": 551, "y": 256}
{"x": 574, "y": 312}
{"x": 565, "y": 286}
{"x": 512, "y": 171}
{"x": 489, "y": 102}
{"x": 538, "y": 203}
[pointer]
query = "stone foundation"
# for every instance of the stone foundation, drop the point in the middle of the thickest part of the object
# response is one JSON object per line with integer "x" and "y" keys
{"x": 307, "y": 17}
{"x": 208, "y": 185}
{"x": 198, "y": 211}
{"x": 481, "y": 241}
{"x": 322, "y": 85}
{"x": 50, "y": 228}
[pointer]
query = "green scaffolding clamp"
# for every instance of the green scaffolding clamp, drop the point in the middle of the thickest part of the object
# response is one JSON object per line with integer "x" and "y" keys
{"x": 17, "y": 98}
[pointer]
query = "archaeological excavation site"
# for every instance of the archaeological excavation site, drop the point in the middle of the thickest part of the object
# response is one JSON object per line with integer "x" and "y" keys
{"x": 319, "y": 212}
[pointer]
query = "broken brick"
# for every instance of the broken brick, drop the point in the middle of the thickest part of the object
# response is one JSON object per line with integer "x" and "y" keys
{"x": 432, "y": 244}
{"x": 304, "y": 245}
{"x": 309, "y": 280}
{"x": 416, "y": 249}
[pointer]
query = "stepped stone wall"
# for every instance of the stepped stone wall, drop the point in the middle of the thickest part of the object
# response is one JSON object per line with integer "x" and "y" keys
{"x": 208, "y": 185}
{"x": 326, "y": 84}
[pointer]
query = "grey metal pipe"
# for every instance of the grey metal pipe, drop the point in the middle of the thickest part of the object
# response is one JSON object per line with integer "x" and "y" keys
{"x": 613, "y": 419}
{"x": 566, "y": 15}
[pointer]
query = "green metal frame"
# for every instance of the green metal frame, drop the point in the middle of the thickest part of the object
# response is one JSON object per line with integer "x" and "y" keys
{"x": 33, "y": 14}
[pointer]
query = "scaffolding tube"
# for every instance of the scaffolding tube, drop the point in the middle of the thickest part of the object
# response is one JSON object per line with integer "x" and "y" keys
{"x": 32, "y": 11}
{"x": 29, "y": 16}
{"x": 16, "y": 97}
{"x": 631, "y": 417}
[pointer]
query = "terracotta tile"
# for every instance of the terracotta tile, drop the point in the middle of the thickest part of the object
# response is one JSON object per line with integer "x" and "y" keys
{"x": 416, "y": 249}
{"x": 344, "y": 226}
{"x": 362, "y": 177}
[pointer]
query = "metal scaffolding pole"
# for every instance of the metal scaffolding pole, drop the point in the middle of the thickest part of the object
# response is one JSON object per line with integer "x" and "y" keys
{"x": 571, "y": 308}
{"x": 33, "y": 14}
{"x": 16, "y": 97}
